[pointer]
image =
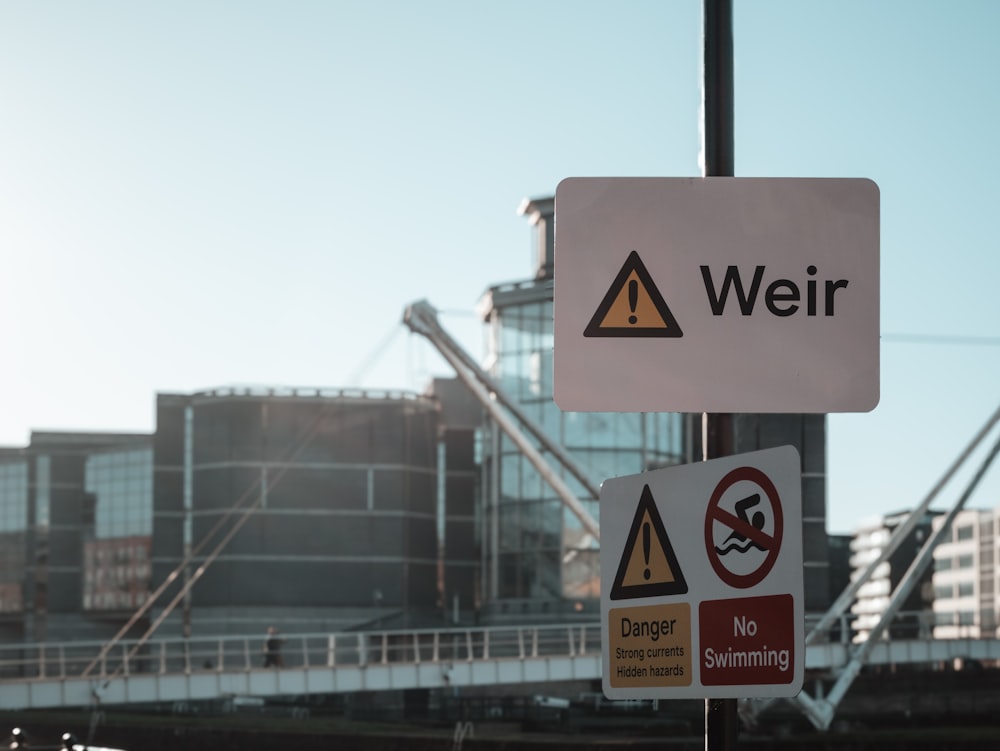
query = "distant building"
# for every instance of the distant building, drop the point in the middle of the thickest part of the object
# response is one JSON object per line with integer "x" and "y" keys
{"x": 966, "y": 581}
{"x": 364, "y": 515}
{"x": 344, "y": 492}
{"x": 13, "y": 539}
{"x": 75, "y": 510}
{"x": 874, "y": 596}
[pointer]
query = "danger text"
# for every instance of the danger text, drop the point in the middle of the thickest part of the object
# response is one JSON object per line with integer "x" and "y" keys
{"x": 653, "y": 629}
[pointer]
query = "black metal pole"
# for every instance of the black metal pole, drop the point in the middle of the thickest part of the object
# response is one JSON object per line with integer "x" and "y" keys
{"x": 717, "y": 89}
{"x": 721, "y": 720}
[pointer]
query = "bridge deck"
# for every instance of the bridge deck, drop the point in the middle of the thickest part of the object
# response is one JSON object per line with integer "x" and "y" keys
{"x": 169, "y": 670}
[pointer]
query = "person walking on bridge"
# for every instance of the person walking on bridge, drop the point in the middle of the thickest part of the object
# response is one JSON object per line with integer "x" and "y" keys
{"x": 272, "y": 649}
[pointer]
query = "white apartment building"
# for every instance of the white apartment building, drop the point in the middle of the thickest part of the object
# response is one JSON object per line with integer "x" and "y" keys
{"x": 873, "y": 595}
{"x": 965, "y": 576}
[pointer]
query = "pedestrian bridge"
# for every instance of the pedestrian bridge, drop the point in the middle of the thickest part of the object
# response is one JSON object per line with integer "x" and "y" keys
{"x": 169, "y": 670}
{"x": 219, "y": 668}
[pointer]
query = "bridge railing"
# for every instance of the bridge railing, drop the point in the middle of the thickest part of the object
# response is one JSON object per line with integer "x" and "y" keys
{"x": 310, "y": 650}
{"x": 48, "y": 661}
{"x": 854, "y": 627}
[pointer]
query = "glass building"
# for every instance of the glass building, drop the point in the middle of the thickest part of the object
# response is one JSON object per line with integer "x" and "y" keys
{"x": 345, "y": 495}
{"x": 365, "y": 515}
{"x": 119, "y": 510}
{"x": 75, "y": 530}
{"x": 537, "y": 557}
{"x": 13, "y": 529}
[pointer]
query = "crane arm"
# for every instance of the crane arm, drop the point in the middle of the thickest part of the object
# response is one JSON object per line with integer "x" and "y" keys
{"x": 421, "y": 318}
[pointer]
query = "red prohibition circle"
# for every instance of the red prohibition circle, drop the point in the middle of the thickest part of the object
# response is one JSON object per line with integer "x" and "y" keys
{"x": 716, "y": 514}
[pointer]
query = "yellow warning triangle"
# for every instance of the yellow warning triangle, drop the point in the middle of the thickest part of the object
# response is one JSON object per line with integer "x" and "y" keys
{"x": 648, "y": 567}
{"x": 633, "y": 306}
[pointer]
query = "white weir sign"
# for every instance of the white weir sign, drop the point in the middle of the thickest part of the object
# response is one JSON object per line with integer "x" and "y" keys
{"x": 716, "y": 295}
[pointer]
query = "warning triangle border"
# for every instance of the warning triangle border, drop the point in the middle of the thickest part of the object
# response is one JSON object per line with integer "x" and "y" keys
{"x": 619, "y": 591}
{"x": 633, "y": 263}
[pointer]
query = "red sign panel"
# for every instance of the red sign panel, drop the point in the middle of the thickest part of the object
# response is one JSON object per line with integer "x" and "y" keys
{"x": 747, "y": 641}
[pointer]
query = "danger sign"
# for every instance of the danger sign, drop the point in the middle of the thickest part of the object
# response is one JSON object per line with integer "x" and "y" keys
{"x": 701, "y": 579}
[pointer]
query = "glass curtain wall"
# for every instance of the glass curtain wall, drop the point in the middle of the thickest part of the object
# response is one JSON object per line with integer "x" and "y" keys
{"x": 536, "y": 548}
{"x": 119, "y": 512}
{"x": 13, "y": 531}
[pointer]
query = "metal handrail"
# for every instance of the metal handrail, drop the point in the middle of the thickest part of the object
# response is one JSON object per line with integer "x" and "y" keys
{"x": 324, "y": 650}
{"x": 307, "y": 650}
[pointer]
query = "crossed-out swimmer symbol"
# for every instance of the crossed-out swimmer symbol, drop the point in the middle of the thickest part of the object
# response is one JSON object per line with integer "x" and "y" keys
{"x": 756, "y": 521}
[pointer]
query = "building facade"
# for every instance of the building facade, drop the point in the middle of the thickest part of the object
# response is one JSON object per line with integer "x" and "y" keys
{"x": 308, "y": 508}
{"x": 76, "y": 523}
{"x": 13, "y": 540}
{"x": 362, "y": 513}
{"x": 966, "y": 585}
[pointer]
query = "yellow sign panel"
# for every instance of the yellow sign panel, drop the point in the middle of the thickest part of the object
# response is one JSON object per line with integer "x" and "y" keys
{"x": 633, "y": 306}
{"x": 650, "y": 646}
{"x": 648, "y": 566}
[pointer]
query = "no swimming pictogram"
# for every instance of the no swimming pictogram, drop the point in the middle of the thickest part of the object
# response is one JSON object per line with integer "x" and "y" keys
{"x": 743, "y": 527}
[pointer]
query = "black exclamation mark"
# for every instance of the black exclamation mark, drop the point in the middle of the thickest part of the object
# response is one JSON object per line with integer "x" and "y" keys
{"x": 633, "y": 298}
{"x": 645, "y": 545}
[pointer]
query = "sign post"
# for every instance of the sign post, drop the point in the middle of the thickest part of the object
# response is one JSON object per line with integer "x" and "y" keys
{"x": 715, "y": 295}
{"x": 721, "y": 719}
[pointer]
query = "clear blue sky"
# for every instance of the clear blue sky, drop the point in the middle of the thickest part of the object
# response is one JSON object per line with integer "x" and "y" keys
{"x": 196, "y": 194}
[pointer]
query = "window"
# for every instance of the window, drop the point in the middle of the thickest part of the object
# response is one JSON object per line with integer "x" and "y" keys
{"x": 942, "y": 564}
{"x": 121, "y": 483}
{"x": 964, "y": 533}
{"x": 966, "y": 561}
{"x": 944, "y": 618}
{"x": 943, "y": 591}
{"x": 43, "y": 466}
{"x": 13, "y": 497}
{"x": 966, "y": 589}
{"x": 541, "y": 550}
